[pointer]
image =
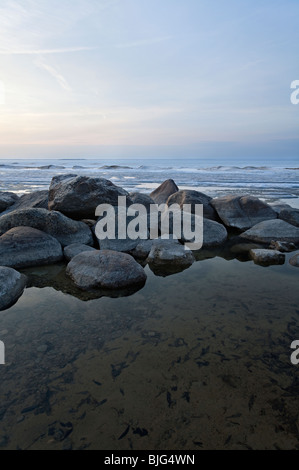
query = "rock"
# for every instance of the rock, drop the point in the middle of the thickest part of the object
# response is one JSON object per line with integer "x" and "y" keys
{"x": 78, "y": 197}
{"x": 7, "y": 199}
{"x": 272, "y": 230}
{"x": 170, "y": 252}
{"x": 193, "y": 197}
{"x": 37, "y": 199}
{"x": 12, "y": 285}
{"x": 214, "y": 234}
{"x": 290, "y": 215}
{"x": 162, "y": 193}
{"x": 22, "y": 247}
{"x": 73, "y": 250}
{"x": 242, "y": 212}
{"x": 125, "y": 245}
{"x": 267, "y": 257}
{"x": 105, "y": 269}
{"x": 283, "y": 247}
{"x": 89, "y": 222}
{"x": 142, "y": 249}
{"x": 278, "y": 206}
{"x": 294, "y": 261}
{"x": 64, "y": 229}
{"x": 144, "y": 199}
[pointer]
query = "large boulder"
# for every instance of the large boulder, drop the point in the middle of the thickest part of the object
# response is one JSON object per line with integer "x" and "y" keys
{"x": 172, "y": 253}
{"x": 74, "y": 249}
{"x": 162, "y": 193}
{"x": 266, "y": 257}
{"x": 213, "y": 233}
{"x": 192, "y": 197}
{"x": 64, "y": 229}
{"x": 12, "y": 285}
{"x": 22, "y": 247}
{"x": 242, "y": 212}
{"x": 142, "y": 249}
{"x": 272, "y": 230}
{"x": 7, "y": 199}
{"x": 143, "y": 199}
{"x": 121, "y": 239}
{"x": 37, "y": 199}
{"x": 290, "y": 215}
{"x": 105, "y": 269}
{"x": 78, "y": 196}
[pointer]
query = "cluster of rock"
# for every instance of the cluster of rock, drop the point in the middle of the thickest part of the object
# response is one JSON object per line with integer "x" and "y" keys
{"x": 47, "y": 227}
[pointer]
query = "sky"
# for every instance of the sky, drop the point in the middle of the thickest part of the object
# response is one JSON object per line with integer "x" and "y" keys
{"x": 152, "y": 78}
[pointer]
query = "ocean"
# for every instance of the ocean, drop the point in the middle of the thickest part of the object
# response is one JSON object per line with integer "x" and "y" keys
{"x": 194, "y": 360}
{"x": 266, "y": 179}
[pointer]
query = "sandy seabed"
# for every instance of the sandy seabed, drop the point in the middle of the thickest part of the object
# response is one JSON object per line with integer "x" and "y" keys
{"x": 196, "y": 360}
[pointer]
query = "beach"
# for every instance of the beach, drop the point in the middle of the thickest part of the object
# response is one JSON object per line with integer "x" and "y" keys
{"x": 193, "y": 359}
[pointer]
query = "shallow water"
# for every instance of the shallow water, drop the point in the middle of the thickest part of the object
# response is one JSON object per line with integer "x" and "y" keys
{"x": 196, "y": 360}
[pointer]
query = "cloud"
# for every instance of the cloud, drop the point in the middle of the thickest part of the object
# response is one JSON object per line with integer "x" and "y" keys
{"x": 62, "y": 50}
{"x": 55, "y": 74}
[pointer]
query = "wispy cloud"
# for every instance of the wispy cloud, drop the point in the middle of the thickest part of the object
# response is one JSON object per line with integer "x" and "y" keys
{"x": 55, "y": 74}
{"x": 143, "y": 42}
{"x": 62, "y": 50}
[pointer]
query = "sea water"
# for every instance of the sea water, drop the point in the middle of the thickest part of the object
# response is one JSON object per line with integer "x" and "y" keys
{"x": 195, "y": 360}
{"x": 266, "y": 179}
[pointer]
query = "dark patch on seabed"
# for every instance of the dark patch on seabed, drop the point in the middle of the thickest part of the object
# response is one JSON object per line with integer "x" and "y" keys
{"x": 196, "y": 360}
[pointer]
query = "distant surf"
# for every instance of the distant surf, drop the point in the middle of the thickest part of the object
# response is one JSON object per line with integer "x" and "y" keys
{"x": 215, "y": 177}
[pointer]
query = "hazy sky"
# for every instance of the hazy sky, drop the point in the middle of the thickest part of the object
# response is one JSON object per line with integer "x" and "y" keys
{"x": 148, "y": 77}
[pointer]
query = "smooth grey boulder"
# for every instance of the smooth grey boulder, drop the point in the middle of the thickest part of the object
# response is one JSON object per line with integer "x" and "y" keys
{"x": 22, "y": 247}
{"x": 192, "y": 197}
{"x": 12, "y": 285}
{"x": 143, "y": 199}
{"x": 165, "y": 252}
{"x": 142, "y": 249}
{"x": 290, "y": 215}
{"x": 74, "y": 249}
{"x": 272, "y": 230}
{"x": 64, "y": 229}
{"x": 266, "y": 257}
{"x": 78, "y": 197}
{"x": 7, "y": 199}
{"x": 105, "y": 269}
{"x": 126, "y": 241}
{"x": 242, "y": 212}
{"x": 294, "y": 261}
{"x": 37, "y": 199}
{"x": 123, "y": 246}
{"x": 162, "y": 193}
{"x": 213, "y": 233}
